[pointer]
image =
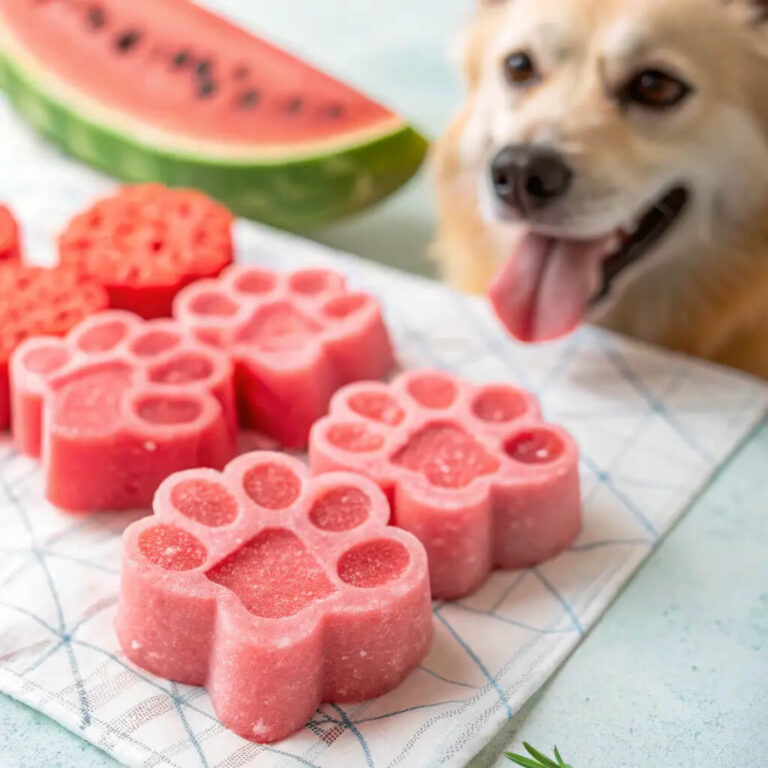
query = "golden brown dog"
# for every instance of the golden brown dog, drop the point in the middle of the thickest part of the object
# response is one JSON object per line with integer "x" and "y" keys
{"x": 611, "y": 163}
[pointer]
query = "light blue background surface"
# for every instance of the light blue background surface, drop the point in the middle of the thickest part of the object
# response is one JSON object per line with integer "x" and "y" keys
{"x": 675, "y": 673}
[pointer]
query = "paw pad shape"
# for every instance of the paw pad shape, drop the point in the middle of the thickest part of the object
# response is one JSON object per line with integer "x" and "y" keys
{"x": 295, "y": 339}
{"x": 472, "y": 471}
{"x": 119, "y": 404}
{"x": 275, "y": 590}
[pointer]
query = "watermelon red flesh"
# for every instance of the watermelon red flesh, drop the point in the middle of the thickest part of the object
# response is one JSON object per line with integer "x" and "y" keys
{"x": 36, "y": 301}
{"x": 10, "y": 246}
{"x": 146, "y": 242}
{"x": 176, "y": 66}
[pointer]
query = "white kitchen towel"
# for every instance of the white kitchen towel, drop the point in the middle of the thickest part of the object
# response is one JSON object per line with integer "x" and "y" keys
{"x": 652, "y": 427}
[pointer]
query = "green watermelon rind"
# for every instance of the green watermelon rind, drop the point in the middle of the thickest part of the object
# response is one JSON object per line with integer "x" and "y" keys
{"x": 294, "y": 191}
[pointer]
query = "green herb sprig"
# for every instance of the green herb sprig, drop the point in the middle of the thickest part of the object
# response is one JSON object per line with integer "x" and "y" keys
{"x": 537, "y": 759}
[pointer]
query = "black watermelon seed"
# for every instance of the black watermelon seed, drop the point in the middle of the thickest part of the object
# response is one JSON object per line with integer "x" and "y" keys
{"x": 204, "y": 68}
{"x": 96, "y": 17}
{"x": 248, "y": 99}
{"x": 240, "y": 72}
{"x": 334, "y": 111}
{"x": 127, "y": 40}
{"x": 181, "y": 59}
{"x": 206, "y": 88}
{"x": 294, "y": 105}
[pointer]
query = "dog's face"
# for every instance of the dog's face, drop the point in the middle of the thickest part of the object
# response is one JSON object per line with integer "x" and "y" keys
{"x": 616, "y": 134}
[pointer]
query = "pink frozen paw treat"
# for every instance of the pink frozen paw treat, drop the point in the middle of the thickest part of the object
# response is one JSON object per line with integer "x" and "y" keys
{"x": 275, "y": 590}
{"x": 118, "y": 405}
{"x": 472, "y": 471}
{"x": 295, "y": 339}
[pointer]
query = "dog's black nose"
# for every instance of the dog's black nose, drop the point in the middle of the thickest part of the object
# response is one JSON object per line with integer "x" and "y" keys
{"x": 529, "y": 178}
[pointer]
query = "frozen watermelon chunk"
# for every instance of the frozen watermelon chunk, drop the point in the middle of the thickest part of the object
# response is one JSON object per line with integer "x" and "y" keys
{"x": 167, "y": 91}
{"x": 35, "y": 302}
{"x": 10, "y": 245}
{"x": 275, "y": 590}
{"x": 146, "y": 242}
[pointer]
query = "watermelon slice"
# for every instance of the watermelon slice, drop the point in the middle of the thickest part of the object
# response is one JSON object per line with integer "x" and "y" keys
{"x": 167, "y": 91}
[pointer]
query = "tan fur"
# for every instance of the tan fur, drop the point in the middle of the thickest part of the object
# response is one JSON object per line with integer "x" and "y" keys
{"x": 706, "y": 290}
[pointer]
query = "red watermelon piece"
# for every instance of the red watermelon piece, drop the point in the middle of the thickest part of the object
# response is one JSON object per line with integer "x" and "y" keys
{"x": 36, "y": 301}
{"x": 10, "y": 237}
{"x": 146, "y": 242}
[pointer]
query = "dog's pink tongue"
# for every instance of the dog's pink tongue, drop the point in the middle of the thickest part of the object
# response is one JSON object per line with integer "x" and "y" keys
{"x": 543, "y": 291}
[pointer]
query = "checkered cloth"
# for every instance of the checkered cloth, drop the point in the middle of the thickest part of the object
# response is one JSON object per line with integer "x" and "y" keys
{"x": 652, "y": 427}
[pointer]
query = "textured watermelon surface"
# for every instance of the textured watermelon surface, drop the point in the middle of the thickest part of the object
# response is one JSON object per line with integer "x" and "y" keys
{"x": 163, "y": 90}
{"x": 145, "y": 242}
{"x": 40, "y": 302}
{"x": 10, "y": 237}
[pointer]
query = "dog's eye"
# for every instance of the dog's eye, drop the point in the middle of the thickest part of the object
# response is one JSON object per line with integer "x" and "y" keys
{"x": 519, "y": 68}
{"x": 655, "y": 89}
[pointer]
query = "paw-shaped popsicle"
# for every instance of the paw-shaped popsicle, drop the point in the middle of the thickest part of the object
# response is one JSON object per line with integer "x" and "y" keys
{"x": 118, "y": 405}
{"x": 295, "y": 339}
{"x": 275, "y": 590}
{"x": 471, "y": 470}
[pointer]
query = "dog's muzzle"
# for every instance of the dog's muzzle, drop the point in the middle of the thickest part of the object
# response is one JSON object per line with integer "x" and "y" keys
{"x": 528, "y": 177}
